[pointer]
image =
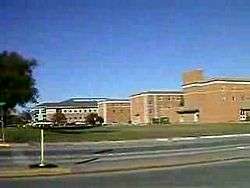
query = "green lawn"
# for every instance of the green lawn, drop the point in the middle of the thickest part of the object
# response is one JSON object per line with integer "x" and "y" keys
{"x": 122, "y": 132}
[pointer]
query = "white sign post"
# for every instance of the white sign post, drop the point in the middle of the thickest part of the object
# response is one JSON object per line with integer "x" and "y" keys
{"x": 42, "y": 149}
{"x": 42, "y": 163}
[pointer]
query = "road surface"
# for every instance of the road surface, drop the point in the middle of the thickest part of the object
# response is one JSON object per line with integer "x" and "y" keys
{"x": 229, "y": 175}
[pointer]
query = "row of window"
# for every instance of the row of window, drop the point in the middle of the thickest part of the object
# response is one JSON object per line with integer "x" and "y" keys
{"x": 164, "y": 99}
{"x": 242, "y": 98}
{"x": 169, "y": 98}
{"x": 80, "y": 111}
{"x": 117, "y": 111}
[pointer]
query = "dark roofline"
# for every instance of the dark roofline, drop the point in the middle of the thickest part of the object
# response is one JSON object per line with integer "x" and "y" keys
{"x": 86, "y": 99}
{"x": 157, "y": 92}
{"x": 71, "y": 103}
{"x": 115, "y": 100}
{"x": 219, "y": 79}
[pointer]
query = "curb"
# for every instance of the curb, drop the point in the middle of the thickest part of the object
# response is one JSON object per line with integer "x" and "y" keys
{"x": 4, "y": 145}
{"x": 21, "y": 173}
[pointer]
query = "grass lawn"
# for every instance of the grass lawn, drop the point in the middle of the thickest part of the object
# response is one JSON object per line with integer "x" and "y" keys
{"x": 122, "y": 132}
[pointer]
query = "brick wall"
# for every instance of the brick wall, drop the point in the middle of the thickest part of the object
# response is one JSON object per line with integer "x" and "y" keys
{"x": 217, "y": 102}
{"x": 146, "y": 107}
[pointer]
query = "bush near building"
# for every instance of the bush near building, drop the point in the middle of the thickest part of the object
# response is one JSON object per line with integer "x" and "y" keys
{"x": 94, "y": 119}
{"x": 161, "y": 120}
{"x": 59, "y": 118}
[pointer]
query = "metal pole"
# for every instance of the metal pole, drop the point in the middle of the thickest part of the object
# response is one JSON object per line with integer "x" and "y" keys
{"x": 42, "y": 150}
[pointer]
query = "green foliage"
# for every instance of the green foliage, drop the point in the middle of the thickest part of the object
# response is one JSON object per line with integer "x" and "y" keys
{"x": 14, "y": 120}
{"x": 17, "y": 85}
{"x": 164, "y": 120}
{"x": 26, "y": 116}
{"x": 99, "y": 120}
{"x": 59, "y": 118}
{"x": 93, "y": 119}
{"x": 161, "y": 120}
{"x": 247, "y": 118}
{"x": 155, "y": 121}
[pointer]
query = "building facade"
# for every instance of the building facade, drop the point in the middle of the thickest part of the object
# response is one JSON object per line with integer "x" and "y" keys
{"x": 75, "y": 109}
{"x": 214, "y": 100}
{"x": 114, "y": 111}
{"x": 149, "y": 105}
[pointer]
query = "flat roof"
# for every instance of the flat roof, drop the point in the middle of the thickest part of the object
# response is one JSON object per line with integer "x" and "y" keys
{"x": 158, "y": 92}
{"x": 230, "y": 80}
{"x": 115, "y": 101}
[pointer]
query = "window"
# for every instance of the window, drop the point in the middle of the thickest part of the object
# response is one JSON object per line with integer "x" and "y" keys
{"x": 89, "y": 110}
{"x": 113, "y": 111}
{"x": 80, "y": 111}
{"x": 65, "y": 111}
{"x": 70, "y": 111}
{"x": 160, "y": 98}
{"x": 233, "y": 98}
{"x": 85, "y": 110}
{"x": 75, "y": 110}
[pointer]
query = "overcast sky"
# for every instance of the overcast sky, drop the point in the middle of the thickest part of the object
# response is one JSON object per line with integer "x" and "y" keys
{"x": 114, "y": 48}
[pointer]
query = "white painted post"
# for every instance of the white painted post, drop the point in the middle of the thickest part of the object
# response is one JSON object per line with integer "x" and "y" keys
{"x": 42, "y": 150}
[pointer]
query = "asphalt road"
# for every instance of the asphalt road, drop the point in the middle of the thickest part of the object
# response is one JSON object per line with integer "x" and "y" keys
{"x": 221, "y": 175}
{"x": 123, "y": 151}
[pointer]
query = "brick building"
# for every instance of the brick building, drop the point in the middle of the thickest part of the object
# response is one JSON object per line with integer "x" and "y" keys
{"x": 214, "y": 100}
{"x": 114, "y": 110}
{"x": 149, "y": 105}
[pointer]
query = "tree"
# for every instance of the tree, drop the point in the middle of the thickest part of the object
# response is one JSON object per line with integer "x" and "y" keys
{"x": 93, "y": 119}
{"x": 99, "y": 120}
{"x": 58, "y": 118}
{"x": 26, "y": 116}
{"x": 17, "y": 85}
